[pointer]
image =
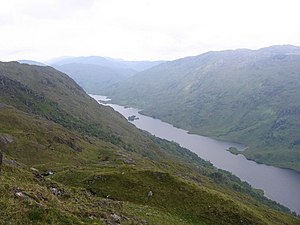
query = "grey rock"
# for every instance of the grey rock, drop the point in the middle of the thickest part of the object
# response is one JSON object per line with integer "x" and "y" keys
{"x": 54, "y": 191}
{"x": 6, "y": 138}
{"x": 33, "y": 169}
{"x": 47, "y": 173}
{"x": 20, "y": 194}
{"x": 150, "y": 194}
{"x": 116, "y": 217}
{"x": 13, "y": 162}
{"x": 1, "y": 159}
{"x": 58, "y": 192}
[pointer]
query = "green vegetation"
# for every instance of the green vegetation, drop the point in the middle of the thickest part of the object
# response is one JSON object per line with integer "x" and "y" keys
{"x": 250, "y": 97}
{"x": 112, "y": 173}
{"x": 95, "y": 72}
{"x": 233, "y": 150}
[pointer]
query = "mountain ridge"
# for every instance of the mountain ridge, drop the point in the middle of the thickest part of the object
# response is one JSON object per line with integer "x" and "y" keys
{"x": 245, "y": 92}
{"x": 96, "y": 72}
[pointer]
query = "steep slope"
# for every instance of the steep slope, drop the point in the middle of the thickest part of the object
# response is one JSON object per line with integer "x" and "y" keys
{"x": 69, "y": 160}
{"x": 95, "y": 73}
{"x": 245, "y": 96}
{"x": 95, "y": 77}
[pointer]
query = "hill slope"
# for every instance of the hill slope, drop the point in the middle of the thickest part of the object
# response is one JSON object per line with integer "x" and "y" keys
{"x": 95, "y": 73}
{"x": 246, "y": 96}
{"x": 69, "y": 160}
{"x": 95, "y": 77}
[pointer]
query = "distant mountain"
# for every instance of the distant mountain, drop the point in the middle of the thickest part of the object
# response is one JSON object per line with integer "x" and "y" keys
{"x": 69, "y": 160}
{"x": 30, "y": 62}
{"x": 94, "y": 77}
{"x": 247, "y": 96}
{"x": 105, "y": 62}
{"x": 95, "y": 73}
{"x": 140, "y": 65}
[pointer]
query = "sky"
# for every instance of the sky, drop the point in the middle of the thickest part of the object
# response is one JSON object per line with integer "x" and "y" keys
{"x": 141, "y": 29}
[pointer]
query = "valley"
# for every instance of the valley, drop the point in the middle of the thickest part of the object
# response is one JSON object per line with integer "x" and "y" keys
{"x": 149, "y": 112}
{"x": 280, "y": 185}
{"x": 69, "y": 160}
{"x": 244, "y": 96}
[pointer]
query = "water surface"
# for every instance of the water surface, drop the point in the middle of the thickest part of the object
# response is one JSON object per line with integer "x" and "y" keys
{"x": 281, "y": 185}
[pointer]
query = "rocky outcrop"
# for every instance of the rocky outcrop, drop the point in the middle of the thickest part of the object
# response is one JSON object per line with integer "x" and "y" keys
{"x": 6, "y": 139}
{"x": 1, "y": 159}
{"x": 71, "y": 143}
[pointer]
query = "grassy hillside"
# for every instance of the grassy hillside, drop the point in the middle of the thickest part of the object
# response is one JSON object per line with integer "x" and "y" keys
{"x": 251, "y": 97}
{"x": 59, "y": 168}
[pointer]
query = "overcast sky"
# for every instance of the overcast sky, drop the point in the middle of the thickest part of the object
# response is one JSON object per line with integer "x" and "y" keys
{"x": 142, "y": 29}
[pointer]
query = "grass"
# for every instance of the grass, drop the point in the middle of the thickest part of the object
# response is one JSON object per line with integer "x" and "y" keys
{"x": 96, "y": 181}
{"x": 97, "y": 170}
{"x": 250, "y": 97}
